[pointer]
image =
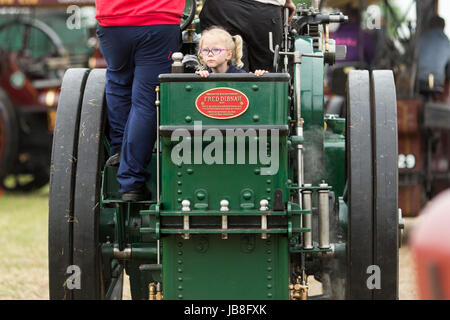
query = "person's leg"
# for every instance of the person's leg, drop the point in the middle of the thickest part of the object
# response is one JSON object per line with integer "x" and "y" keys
{"x": 116, "y": 45}
{"x": 265, "y": 18}
{"x": 229, "y": 15}
{"x": 153, "y": 56}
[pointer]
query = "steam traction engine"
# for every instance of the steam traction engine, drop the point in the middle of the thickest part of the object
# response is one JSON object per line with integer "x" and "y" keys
{"x": 36, "y": 47}
{"x": 253, "y": 188}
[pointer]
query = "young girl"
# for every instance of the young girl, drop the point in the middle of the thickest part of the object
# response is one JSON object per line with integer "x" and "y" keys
{"x": 221, "y": 53}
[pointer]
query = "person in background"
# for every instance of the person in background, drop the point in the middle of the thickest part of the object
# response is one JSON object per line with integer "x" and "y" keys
{"x": 360, "y": 45}
{"x": 137, "y": 39}
{"x": 360, "y": 54}
{"x": 434, "y": 55}
{"x": 253, "y": 20}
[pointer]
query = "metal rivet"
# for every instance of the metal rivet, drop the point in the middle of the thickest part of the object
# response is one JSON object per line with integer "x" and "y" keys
{"x": 257, "y": 171}
{"x": 247, "y": 195}
{"x": 179, "y": 191}
{"x": 269, "y": 277}
{"x": 180, "y": 270}
{"x": 180, "y": 253}
{"x": 269, "y": 286}
{"x": 188, "y": 88}
{"x": 179, "y": 183}
{"x": 179, "y": 174}
{"x": 180, "y": 287}
{"x": 188, "y": 119}
{"x": 255, "y": 87}
{"x": 181, "y": 279}
{"x": 268, "y": 181}
{"x": 201, "y": 195}
{"x": 179, "y": 200}
{"x": 268, "y": 190}
{"x": 255, "y": 118}
{"x": 269, "y": 295}
{"x": 269, "y": 268}
{"x": 180, "y": 296}
{"x": 180, "y": 261}
{"x": 190, "y": 170}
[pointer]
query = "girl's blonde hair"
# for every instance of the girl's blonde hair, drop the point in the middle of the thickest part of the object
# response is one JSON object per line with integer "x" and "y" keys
{"x": 234, "y": 43}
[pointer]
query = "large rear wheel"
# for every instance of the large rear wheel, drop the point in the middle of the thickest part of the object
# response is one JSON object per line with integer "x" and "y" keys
{"x": 62, "y": 181}
{"x": 90, "y": 159}
{"x": 372, "y": 234}
{"x": 359, "y": 184}
{"x": 77, "y": 162}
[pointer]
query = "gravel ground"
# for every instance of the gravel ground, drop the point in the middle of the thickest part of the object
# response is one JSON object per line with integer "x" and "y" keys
{"x": 407, "y": 271}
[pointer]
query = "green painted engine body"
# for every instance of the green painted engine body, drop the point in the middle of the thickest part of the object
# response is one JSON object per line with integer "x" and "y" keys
{"x": 217, "y": 181}
{"x": 197, "y": 262}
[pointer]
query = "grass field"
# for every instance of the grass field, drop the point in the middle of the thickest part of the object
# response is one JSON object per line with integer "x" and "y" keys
{"x": 24, "y": 250}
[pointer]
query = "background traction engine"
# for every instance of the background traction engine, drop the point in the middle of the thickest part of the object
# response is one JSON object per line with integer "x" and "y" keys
{"x": 254, "y": 188}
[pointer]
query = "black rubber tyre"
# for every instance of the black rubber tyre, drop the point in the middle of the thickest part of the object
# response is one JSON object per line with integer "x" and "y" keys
{"x": 372, "y": 179}
{"x": 359, "y": 183}
{"x": 77, "y": 162}
{"x": 9, "y": 134}
{"x": 90, "y": 159}
{"x": 62, "y": 181}
{"x": 385, "y": 153}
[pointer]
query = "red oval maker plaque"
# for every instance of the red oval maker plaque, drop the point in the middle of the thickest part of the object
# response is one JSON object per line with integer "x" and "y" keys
{"x": 222, "y": 103}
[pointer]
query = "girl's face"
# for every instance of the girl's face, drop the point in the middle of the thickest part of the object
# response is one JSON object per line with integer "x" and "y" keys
{"x": 217, "y": 55}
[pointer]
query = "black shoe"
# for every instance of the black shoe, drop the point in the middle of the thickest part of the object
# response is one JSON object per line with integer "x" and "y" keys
{"x": 113, "y": 161}
{"x": 140, "y": 194}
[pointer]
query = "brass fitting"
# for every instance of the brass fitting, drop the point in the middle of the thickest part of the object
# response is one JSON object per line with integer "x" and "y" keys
{"x": 152, "y": 291}
{"x": 298, "y": 291}
{"x": 159, "y": 295}
{"x": 155, "y": 291}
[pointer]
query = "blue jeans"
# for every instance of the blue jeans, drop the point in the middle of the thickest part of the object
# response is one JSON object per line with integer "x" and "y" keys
{"x": 135, "y": 57}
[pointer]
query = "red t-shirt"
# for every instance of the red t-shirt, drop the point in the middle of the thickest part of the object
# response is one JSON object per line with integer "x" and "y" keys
{"x": 138, "y": 12}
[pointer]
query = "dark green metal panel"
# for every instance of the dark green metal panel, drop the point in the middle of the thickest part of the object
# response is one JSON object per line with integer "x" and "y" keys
{"x": 267, "y": 103}
{"x": 334, "y": 154}
{"x": 241, "y": 267}
{"x": 312, "y": 76}
{"x": 204, "y": 184}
